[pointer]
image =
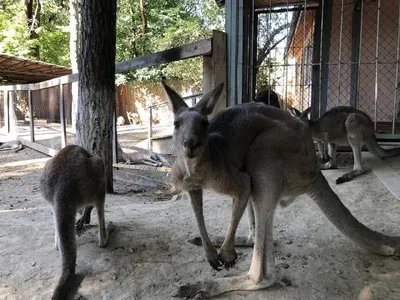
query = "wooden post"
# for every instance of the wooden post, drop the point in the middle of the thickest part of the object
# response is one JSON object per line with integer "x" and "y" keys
{"x": 31, "y": 124}
{"x": 115, "y": 139}
{"x": 150, "y": 133}
{"x": 214, "y": 68}
{"x": 6, "y": 112}
{"x": 62, "y": 118}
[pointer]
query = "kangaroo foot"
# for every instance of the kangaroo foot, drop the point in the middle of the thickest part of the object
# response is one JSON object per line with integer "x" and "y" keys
{"x": 349, "y": 176}
{"x": 214, "y": 260}
{"x": 217, "y": 241}
{"x": 211, "y": 288}
{"x": 327, "y": 166}
{"x": 79, "y": 224}
{"x": 228, "y": 257}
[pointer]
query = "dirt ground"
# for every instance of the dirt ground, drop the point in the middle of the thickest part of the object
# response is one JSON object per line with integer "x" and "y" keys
{"x": 148, "y": 255}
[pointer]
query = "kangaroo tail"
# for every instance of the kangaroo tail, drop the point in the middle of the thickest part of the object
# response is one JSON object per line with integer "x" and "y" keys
{"x": 341, "y": 217}
{"x": 65, "y": 224}
{"x": 376, "y": 150}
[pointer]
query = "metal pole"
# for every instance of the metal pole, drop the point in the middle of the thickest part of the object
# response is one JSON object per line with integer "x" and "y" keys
{"x": 396, "y": 84}
{"x": 6, "y": 111}
{"x": 150, "y": 132}
{"x": 302, "y": 81}
{"x": 359, "y": 53}
{"x": 340, "y": 52}
{"x": 32, "y": 125}
{"x": 320, "y": 58}
{"x": 377, "y": 63}
{"x": 269, "y": 21}
{"x": 286, "y": 69}
{"x": 252, "y": 39}
{"x": 62, "y": 117}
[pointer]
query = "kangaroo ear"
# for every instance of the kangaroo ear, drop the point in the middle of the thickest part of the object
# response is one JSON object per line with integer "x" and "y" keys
{"x": 206, "y": 105}
{"x": 304, "y": 114}
{"x": 174, "y": 100}
{"x": 293, "y": 111}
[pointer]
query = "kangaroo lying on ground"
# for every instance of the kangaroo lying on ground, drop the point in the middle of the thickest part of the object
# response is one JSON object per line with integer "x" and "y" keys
{"x": 11, "y": 146}
{"x": 258, "y": 152}
{"x": 346, "y": 126}
{"x": 71, "y": 180}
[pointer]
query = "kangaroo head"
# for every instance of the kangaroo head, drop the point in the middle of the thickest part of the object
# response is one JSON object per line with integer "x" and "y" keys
{"x": 191, "y": 123}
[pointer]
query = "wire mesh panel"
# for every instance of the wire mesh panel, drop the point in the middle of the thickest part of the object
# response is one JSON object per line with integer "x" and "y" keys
{"x": 19, "y": 114}
{"x": 336, "y": 52}
{"x": 46, "y": 113}
{"x": 284, "y": 53}
{"x": 144, "y": 119}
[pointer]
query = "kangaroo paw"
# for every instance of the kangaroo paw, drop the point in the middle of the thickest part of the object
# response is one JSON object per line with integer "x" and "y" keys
{"x": 228, "y": 257}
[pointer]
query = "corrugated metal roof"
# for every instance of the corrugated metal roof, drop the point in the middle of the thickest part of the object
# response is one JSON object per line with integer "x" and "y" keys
{"x": 21, "y": 70}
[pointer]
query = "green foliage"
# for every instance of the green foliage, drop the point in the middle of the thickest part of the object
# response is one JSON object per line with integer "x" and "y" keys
{"x": 53, "y": 36}
{"x": 170, "y": 23}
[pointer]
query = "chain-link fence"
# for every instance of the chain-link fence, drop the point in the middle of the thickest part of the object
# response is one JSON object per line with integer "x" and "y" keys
{"x": 330, "y": 53}
{"x": 153, "y": 132}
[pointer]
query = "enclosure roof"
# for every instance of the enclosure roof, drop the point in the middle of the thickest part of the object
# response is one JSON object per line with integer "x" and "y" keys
{"x": 21, "y": 70}
{"x": 268, "y": 3}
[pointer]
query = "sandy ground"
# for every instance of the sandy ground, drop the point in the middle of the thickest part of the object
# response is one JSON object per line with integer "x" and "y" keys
{"x": 148, "y": 255}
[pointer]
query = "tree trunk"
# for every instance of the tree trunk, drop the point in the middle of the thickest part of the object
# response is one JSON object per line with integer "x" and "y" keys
{"x": 73, "y": 54}
{"x": 96, "y": 103}
{"x": 33, "y": 21}
{"x": 143, "y": 13}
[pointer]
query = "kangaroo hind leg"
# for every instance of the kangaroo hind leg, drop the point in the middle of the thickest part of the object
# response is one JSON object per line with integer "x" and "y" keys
{"x": 262, "y": 271}
{"x": 85, "y": 218}
{"x": 355, "y": 143}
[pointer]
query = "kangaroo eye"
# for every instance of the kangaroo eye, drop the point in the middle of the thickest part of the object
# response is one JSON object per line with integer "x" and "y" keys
{"x": 177, "y": 124}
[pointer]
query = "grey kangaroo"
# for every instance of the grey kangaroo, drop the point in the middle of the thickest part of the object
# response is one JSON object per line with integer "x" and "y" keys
{"x": 344, "y": 126}
{"x": 252, "y": 151}
{"x": 71, "y": 180}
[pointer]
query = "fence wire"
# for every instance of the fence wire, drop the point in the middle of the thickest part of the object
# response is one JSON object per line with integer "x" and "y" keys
{"x": 355, "y": 61}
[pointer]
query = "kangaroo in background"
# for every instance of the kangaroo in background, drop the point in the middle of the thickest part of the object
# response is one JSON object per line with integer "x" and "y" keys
{"x": 268, "y": 97}
{"x": 71, "y": 180}
{"x": 258, "y": 152}
{"x": 345, "y": 126}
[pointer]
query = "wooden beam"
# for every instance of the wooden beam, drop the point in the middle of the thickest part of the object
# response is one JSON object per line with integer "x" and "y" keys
{"x": 62, "y": 117}
{"x": 38, "y": 147}
{"x": 215, "y": 69}
{"x": 200, "y": 48}
{"x": 31, "y": 124}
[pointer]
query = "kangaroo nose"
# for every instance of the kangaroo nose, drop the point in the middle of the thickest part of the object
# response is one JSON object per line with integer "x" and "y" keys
{"x": 188, "y": 144}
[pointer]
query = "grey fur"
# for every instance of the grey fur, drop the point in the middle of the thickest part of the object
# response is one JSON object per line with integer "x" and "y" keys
{"x": 71, "y": 180}
{"x": 346, "y": 126}
{"x": 252, "y": 151}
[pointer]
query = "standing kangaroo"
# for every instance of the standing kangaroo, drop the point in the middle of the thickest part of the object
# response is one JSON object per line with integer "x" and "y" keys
{"x": 71, "y": 180}
{"x": 344, "y": 126}
{"x": 257, "y": 152}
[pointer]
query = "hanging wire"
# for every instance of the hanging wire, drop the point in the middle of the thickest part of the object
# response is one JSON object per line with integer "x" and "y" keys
{"x": 377, "y": 63}
{"x": 340, "y": 52}
{"x": 396, "y": 83}
{"x": 320, "y": 59}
